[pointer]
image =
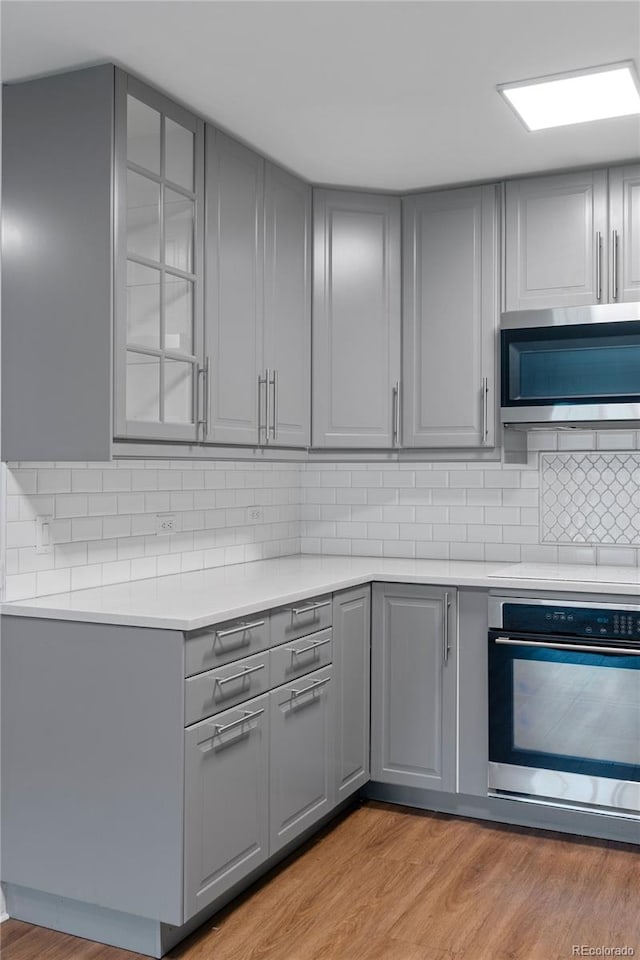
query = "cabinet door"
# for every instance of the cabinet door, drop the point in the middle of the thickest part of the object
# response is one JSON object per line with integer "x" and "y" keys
{"x": 556, "y": 241}
{"x": 287, "y": 307}
{"x": 413, "y": 689}
{"x": 351, "y": 656}
{"x": 159, "y": 151}
{"x": 356, "y": 319}
{"x": 233, "y": 309}
{"x": 450, "y": 315}
{"x": 624, "y": 237}
{"x": 226, "y": 801}
{"x": 302, "y": 786}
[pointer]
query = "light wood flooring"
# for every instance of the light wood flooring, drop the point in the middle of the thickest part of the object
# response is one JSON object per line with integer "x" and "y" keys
{"x": 388, "y": 883}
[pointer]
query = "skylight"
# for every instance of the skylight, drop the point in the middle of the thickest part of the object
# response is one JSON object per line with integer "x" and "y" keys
{"x": 577, "y": 97}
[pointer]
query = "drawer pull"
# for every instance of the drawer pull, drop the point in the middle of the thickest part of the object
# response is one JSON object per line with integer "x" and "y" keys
{"x": 240, "y": 676}
{"x": 310, "y": 689}
{"x": 300, "y": 611}
{"x": 297, "y": 651}
{"x": 248, "y": 715}
{"x": 240, "y": 629}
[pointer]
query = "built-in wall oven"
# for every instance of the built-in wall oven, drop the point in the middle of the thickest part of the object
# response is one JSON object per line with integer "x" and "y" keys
{"x": 564, "y": 702}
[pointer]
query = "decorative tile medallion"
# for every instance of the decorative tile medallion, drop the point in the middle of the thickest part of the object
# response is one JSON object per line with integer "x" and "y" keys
{"x": 590, "y": 498}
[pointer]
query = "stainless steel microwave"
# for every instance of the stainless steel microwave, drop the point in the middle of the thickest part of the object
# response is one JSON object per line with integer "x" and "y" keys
{"x": 571, "y": 365}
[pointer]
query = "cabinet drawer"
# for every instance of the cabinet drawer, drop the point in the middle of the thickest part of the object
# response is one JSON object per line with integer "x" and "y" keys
{"x": 308, "y": 616}
{"x": 232, "y": 640}
{"x": 301, "y": 656}
{"x": 218, "y": 689}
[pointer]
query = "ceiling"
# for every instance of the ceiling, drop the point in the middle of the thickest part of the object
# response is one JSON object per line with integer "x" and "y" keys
{"x": 391, "y": 95}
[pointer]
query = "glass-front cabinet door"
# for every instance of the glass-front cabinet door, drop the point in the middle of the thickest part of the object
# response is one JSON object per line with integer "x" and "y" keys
{"x": 159, "y": 167}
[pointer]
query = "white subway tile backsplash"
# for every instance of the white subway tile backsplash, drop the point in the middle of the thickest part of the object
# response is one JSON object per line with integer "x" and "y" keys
{"x": 86, "y": 481}
{"x": 105, "y": 513}
{"x": 54, "y": 481}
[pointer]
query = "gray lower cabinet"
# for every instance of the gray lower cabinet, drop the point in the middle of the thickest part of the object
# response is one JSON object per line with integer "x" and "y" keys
{"x": 352, "y": 665}
{"x": 301, "y": 756}
{"x": 450, "y": 316}
{"x": 413, "y": 687}
{"x": 226, "y": 825}
{"x": 356, "y": 319}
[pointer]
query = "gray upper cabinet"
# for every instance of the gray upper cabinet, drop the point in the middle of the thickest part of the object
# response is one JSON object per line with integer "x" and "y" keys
{"x": 624, "y": 233}
{"x": 555, "y": 247}
{"x": 258, "y": 301}
{"x": 413, "y": 686}
{"x": 159, "y": 191}
{"x": 356, "y": 319}
{"x": 352, "y": 665}
{"x": 287, "y": 306}
{"x": 450, "y": 314}
{"x": 102, "y": 266}
{"x": 234, "y": 324}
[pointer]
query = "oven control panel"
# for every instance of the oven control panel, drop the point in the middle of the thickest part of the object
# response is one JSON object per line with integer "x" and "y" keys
{"x": 605, "y": 623}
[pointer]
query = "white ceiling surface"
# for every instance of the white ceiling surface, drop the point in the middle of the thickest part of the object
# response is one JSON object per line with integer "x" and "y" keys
{"x": 389, "y": 95}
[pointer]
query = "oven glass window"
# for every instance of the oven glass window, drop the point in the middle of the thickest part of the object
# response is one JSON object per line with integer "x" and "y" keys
{"x": 574, "y": 364}
{"x": 564, "y": 709}
{"x": 577, "y": 710}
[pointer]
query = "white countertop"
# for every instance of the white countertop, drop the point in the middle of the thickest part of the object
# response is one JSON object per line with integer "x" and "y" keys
{"x": 189, "y": 601}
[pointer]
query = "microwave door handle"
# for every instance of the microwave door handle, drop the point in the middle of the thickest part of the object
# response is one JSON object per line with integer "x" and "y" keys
{"x": 581, "y": 647}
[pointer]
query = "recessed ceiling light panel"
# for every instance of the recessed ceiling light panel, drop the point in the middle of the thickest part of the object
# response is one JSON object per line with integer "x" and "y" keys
{"x": 577, "y": 97}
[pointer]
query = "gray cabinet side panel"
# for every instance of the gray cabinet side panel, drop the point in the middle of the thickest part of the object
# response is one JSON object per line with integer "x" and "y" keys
{"x": 92, "y": 763}
{"x": 57, "y": 267}
{"x": 473, "y": 705}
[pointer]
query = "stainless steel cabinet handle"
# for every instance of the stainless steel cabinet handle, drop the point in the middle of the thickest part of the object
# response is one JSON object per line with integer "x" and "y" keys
{"x": 204, "y": 373}
{"x": 300, "y": 611}
{"x": 248, "y": 715}
{"x": 312, "y": 686}
{"x": 262, "y": 382}
{"x": 273, "y": 383}
{"x": 614, "y": 264}
{"x": 598, "y": 265}
{"x": 586, "y": 647}
{"x": 240, "y": 676}
{"x": 241, "y": 628}
{"x": 485, "y": 409}
{"x": 395, "y": 394}
{"x": 446, "y": 646}
{"x": 295, "y": 651}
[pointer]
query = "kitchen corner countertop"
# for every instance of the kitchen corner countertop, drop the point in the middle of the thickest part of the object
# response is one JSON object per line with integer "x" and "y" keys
{"x": 189, "y": 601}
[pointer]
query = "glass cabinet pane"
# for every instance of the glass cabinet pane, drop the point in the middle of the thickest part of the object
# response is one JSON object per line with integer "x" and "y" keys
{"x": 178, "y": 154}
{"x": 178, "y": 391}
{"x": 178, "y": 225}
{"x": 143, "y": 135}
{"x": 143, "y": 305}
{"x": 178, "y": 314}
{"x": 143, "y": 387}
{"x": 143, "y": 216}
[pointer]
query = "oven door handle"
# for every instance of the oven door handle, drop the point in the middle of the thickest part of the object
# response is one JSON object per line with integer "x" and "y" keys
{"x": 587, "y": 648}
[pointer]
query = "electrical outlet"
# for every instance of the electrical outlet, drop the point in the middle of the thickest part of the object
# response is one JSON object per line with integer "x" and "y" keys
{"x": 165, "y": 524}
{"x": 44, "y": 542}
{"x": 255, "y": 515}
